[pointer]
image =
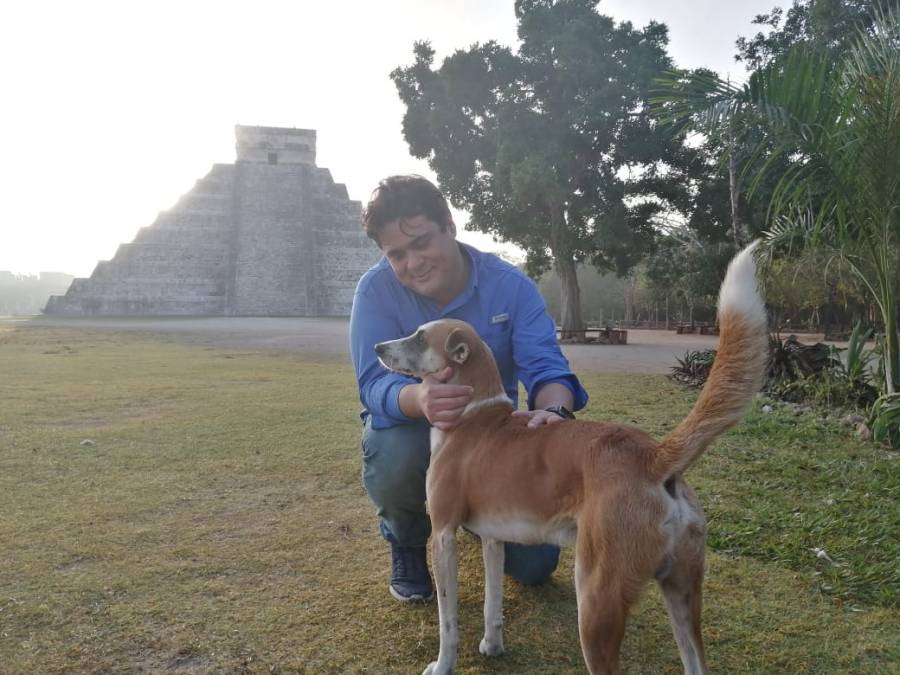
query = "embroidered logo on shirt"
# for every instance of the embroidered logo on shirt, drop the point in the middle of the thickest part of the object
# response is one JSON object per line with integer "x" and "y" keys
{"x": 499, "y": 318}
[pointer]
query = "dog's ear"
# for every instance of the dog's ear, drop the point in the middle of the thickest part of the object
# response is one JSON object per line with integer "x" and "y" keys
{"x": 456, "y": 347}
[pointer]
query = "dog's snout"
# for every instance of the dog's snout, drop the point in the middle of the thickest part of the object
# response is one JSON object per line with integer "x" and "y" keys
{"x": 381, "y": 348}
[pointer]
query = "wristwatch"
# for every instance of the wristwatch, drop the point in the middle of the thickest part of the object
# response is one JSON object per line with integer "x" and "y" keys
{"x": 562, "y": 411}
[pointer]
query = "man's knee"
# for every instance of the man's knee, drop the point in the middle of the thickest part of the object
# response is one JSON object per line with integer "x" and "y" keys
{"x": 395, "y": 462}
{"x": 530, "y": 565}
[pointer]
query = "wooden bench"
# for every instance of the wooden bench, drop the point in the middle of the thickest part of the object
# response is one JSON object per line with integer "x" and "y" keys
{"x": 593, "y": 335}
{"x": 702, "y": 327}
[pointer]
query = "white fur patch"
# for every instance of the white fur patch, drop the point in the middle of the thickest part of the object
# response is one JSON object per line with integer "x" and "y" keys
{"x": 740, "y": 292}
{"x": 437, "y": 439}
{"x": 486, "y": 402}
{"x": 679, "y": 516}
{"x": 522, "y": 529}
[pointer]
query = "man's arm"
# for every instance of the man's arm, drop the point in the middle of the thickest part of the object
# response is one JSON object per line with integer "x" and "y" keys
{"x": 554, "y": 393}
{"x": 551, "y": 394}
{"x": 378, "y": 387}
{"x": 392, "y": 395}
{"x": 542, "y": 368}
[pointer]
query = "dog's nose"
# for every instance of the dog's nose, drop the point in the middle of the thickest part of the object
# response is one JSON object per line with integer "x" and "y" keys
{"x": 380, "y": 348}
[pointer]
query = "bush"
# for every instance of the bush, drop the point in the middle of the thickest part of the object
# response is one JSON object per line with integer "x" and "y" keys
{"x": 790, "y": 359}
{"x": 825, "y": 389}
{"x": 815, "y": 375}
{"x": 884, "y": 420}
{"x": 694, "y": 368}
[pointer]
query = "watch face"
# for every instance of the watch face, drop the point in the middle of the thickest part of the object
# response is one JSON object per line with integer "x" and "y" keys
{"x": 562, "y": 411}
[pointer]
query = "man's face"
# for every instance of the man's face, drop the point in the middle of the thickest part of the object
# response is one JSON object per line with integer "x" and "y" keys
{"x": 423, "y": 258}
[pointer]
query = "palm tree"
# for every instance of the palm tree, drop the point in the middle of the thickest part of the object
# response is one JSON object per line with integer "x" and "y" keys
{"x": 838, "y": 124}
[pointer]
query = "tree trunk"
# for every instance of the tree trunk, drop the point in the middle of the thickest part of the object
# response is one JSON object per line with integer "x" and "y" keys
{"x": 891, "y": 354}
{"x": 571, "y": 322}
{"x": 734, "y": 192}
{"x": 630, "y": 285}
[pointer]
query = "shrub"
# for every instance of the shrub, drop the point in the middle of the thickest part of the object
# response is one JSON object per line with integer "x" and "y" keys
{"x": 815, "y": 375}
{"x": 884, "y": 420}
{"x": 790, "y": 359}
{"x": 694, "y": 368}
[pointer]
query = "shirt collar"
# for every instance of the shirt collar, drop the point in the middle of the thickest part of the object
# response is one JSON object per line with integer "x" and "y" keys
{"x": 472, "y": 255}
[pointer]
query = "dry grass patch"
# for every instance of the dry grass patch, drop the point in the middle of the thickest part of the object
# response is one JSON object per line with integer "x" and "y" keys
{"x": 217, "y": 524}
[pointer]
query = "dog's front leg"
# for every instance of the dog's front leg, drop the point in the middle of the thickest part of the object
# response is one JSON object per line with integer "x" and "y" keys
{"x": 492, "y": 551}
{"x": 445, "y": 578}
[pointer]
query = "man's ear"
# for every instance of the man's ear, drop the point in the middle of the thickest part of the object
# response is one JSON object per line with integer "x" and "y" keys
{"x": 456, "y": 347}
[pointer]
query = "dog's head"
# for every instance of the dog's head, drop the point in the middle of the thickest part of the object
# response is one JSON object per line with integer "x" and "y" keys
{"x": 433, "y": 347}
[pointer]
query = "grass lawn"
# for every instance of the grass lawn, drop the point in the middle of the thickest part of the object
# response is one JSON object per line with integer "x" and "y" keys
{"x": 172, "y": 507}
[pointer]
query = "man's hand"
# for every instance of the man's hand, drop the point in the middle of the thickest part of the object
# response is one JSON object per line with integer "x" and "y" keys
{"x": 538, "y": 417}
{"x": 441, "y": 403}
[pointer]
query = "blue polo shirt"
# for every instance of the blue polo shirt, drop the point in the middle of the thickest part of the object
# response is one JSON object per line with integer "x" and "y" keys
{"x": 499, "y": 301}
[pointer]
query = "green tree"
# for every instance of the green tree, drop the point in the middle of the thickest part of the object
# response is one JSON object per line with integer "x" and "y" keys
{"x": 688, "y": 268}
{"x": 796, "y": 288}
{"x": 552, "y": 147}
{"x": 837, "y": 124}
{"x": 829, "y": 24}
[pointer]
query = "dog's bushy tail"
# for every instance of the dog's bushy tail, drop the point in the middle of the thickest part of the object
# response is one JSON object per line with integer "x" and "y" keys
{"x": 737, "y": 373}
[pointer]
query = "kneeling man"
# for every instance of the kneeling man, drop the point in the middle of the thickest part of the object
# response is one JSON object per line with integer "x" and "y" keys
{"x": 425, "y": 275}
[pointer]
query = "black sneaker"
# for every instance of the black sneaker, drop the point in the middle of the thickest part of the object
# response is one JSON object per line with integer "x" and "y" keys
{"x": 410, "y": 581}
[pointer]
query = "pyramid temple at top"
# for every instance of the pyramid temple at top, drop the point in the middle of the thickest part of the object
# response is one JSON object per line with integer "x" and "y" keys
{"x": 270, "y": 235}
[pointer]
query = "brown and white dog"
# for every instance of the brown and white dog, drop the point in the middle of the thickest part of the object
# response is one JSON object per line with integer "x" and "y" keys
{"x": 609, "y": 488}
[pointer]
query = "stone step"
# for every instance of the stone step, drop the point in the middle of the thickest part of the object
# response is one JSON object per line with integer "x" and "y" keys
{"x": 212, "y": 184}
{"x": 149, "y": 289}
{"x": 161, "y": 270}
{"x": 194, "y": 246}
{"x": 203, "y": 203}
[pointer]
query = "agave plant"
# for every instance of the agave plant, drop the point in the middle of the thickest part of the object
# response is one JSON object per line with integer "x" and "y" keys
{"x": 693, "y": 369}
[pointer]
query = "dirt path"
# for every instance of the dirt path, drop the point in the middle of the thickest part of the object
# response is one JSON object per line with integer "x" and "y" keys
{"x": 647, "y": 351}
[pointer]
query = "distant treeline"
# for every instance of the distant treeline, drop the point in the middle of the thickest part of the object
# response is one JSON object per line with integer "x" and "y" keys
{"x": 798, "y": 294}
{"x": 27, "y": 294}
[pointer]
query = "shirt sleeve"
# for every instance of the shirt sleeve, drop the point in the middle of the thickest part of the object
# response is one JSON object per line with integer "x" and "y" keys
{"x": 379, "y": 388}
{"x": 536, "y": 352}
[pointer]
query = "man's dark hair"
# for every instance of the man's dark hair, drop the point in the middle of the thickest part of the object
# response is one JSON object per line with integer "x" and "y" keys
{"x": 401, "y": 198}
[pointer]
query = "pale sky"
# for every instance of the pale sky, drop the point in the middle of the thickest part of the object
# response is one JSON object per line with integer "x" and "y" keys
{"x": 112, "y": 110}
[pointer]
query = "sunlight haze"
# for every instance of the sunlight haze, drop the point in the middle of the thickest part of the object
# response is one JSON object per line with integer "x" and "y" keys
{"x": 113, "y": 110}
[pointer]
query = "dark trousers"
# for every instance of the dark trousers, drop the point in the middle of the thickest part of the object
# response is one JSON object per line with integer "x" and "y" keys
{"x": 394, "y": 464}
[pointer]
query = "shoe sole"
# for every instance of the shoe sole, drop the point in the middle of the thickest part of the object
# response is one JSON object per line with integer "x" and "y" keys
{"x": 410, "y": 598}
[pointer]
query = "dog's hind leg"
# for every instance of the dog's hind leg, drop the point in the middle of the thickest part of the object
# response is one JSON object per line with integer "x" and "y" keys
{"x": 683, "y": 592}
{"x": 492, "y": 551}
{"x": 445, "y": 578}
{"x": 682, "y": 588}
{"x": 604, "y": 598}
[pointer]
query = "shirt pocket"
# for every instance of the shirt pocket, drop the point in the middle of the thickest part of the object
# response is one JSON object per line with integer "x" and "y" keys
{"x": 499, "y": 338}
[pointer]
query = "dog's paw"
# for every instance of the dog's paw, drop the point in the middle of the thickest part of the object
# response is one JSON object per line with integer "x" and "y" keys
{"x": 431, "y": 669}
{"x": 492, "y": 648}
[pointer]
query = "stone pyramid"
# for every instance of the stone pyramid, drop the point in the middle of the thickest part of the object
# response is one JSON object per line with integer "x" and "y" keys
{"x": 270, "y": 235}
